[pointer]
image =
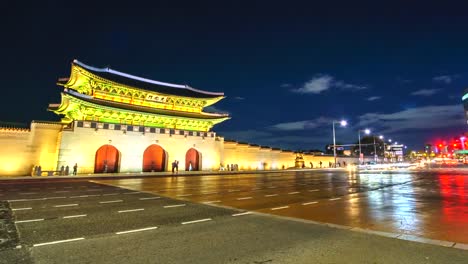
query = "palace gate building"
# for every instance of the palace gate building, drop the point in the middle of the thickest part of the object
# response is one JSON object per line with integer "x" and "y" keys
{"x": 116, "y": 122}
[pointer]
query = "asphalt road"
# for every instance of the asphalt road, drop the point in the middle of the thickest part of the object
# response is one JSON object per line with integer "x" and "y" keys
{"x": 173, "y": 220}
{"x": 430, "y": 205}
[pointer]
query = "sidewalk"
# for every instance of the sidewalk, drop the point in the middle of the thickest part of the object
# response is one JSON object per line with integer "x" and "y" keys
{"x": 158, "y": 174}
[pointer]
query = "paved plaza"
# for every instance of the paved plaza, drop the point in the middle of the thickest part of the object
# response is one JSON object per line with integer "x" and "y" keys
{"x": 322, "y": 216}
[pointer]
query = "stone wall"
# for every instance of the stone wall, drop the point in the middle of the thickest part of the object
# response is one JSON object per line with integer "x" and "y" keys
{"x": 254, "y": 157}
{"x": 22, "y": 149}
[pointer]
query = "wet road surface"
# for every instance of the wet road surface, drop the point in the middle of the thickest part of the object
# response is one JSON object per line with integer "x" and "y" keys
{"x": 431, "y": 205}
{"x": 188, "y": 219}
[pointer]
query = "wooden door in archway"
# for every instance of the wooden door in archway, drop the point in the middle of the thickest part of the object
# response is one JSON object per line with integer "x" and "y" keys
{"x": 154, "y": 159}
{"x": 107, "y": 159}
{"x": 192, "y": 160}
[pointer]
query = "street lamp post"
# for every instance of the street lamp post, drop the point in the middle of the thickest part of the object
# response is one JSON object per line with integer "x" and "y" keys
{"x": 342, "y": 123}
{"x": 367, "y": 131}
{"x": 375, "y": 151}
{"x": 383, "y": 141}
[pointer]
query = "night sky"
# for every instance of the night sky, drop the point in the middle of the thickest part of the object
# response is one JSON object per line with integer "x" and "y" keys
{"x": 288, "y": 69}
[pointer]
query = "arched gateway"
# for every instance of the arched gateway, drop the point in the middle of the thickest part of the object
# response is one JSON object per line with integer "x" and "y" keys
{"x": 107, "y": 159}
{"x": 193, "y": 160}
{"x": 154, "y": 158}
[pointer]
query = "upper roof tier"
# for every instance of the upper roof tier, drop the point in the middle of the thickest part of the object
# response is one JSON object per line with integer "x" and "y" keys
{"x": 146, "y": 84}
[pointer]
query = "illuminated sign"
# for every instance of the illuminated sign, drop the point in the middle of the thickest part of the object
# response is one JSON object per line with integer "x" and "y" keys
{"x": 156, "y": 98}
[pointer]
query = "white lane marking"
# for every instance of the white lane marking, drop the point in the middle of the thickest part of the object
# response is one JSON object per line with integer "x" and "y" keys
{"x": 174, "y": 205}
{"x": 59, "y": 241}
{"x": 334, "y": 199}
{"x": 272, "y": 187}
{"x": 271, "y": 195}
{"x": 244, "y": 198}
{"x": 31, "y": 220}
{"x": 113, "y": 201}
{"x": 136, "y": 230}
{"x": 25, "y": 200}
{"x": 197, "y": 221}
{"x": 94, "y": 195}
{"x": 184, "y": 195}
{"x": 209, "y": 192}
{"x": 315, "y": 190}
{"x": 56, "y": 197}
{"x": 208, "y": 202}
{"x": 20, "y": 209}
{"x": 74, "y": 216}
{"x": 279, "y": 208}
{"x": 109, "y": 194}
{"x": 150, "y": 198}
{"x": 244, "y": 213}
{"x": 131, "y": 192}
{"x": 131, "y": 210}
{"x": 233, "y": 190}
{"x": 65, "y": 205}
{"x": 61, "y": 191}
{"x": 294, "y": 192}
{"x": 79, "y": 196}
{"x": 28, "y": 193}
{"x": 309, "y": 203}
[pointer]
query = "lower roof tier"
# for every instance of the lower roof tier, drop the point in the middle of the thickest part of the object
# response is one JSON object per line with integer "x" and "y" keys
{"x": 79, "y": 107}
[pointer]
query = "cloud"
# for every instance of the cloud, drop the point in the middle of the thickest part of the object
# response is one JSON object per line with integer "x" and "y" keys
{"x": 426, "y": 117}
{"x": 373, "y": 98}
{"x": 425, "y": 92}
{"x": 447, "y": 79}
{"x": 285, "y": 85}
{"x": 302, "y": 125}
{"x": 325, "y": 82}
{"x": 316, "y": 85}
{"x": 348, "y": 86}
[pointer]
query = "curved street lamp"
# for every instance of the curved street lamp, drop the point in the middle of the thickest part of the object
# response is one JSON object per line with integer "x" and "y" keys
{"x": 342, "y": 123}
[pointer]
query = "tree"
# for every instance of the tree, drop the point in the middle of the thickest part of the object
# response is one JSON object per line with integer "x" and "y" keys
{"x": 367, "y": 146}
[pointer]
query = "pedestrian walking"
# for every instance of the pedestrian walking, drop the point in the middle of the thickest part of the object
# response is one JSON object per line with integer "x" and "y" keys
{"x": 75, "y": 168}
{"x": 311, "y": 165}
{"x": 62, "y": 170}
{"x": 173, "y": 166}
{"x": 320, "y": 164}
{"x": 67, "y": 170}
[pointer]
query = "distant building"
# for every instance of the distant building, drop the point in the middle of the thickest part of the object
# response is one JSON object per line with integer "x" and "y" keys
{"x": 465, "y": 103}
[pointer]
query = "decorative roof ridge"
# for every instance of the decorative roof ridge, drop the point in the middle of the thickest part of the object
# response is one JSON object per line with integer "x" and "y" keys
{"x": 126, "y": 75}
{"x": 19, "y": 129}
{"x": 47, "y": 122}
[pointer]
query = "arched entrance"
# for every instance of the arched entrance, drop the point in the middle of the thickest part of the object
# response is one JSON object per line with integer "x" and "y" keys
{"x": 107, "y": 159}
{"x": 192, "y": 160}
{"x": 154, "y": 158}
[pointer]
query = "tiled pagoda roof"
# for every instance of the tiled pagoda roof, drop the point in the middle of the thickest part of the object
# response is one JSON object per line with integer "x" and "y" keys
{"x": 147, "y": 84}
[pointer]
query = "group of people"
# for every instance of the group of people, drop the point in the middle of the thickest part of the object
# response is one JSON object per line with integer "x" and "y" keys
{"x": 330, "y": 164}
{"x": 64, "y": 170}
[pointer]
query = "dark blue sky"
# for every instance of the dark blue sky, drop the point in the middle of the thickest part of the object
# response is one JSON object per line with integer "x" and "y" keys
{"x": 288, "y": 69}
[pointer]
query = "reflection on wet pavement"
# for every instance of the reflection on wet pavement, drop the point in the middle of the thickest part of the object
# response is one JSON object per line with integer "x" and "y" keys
{"x": 431, "y": 205}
